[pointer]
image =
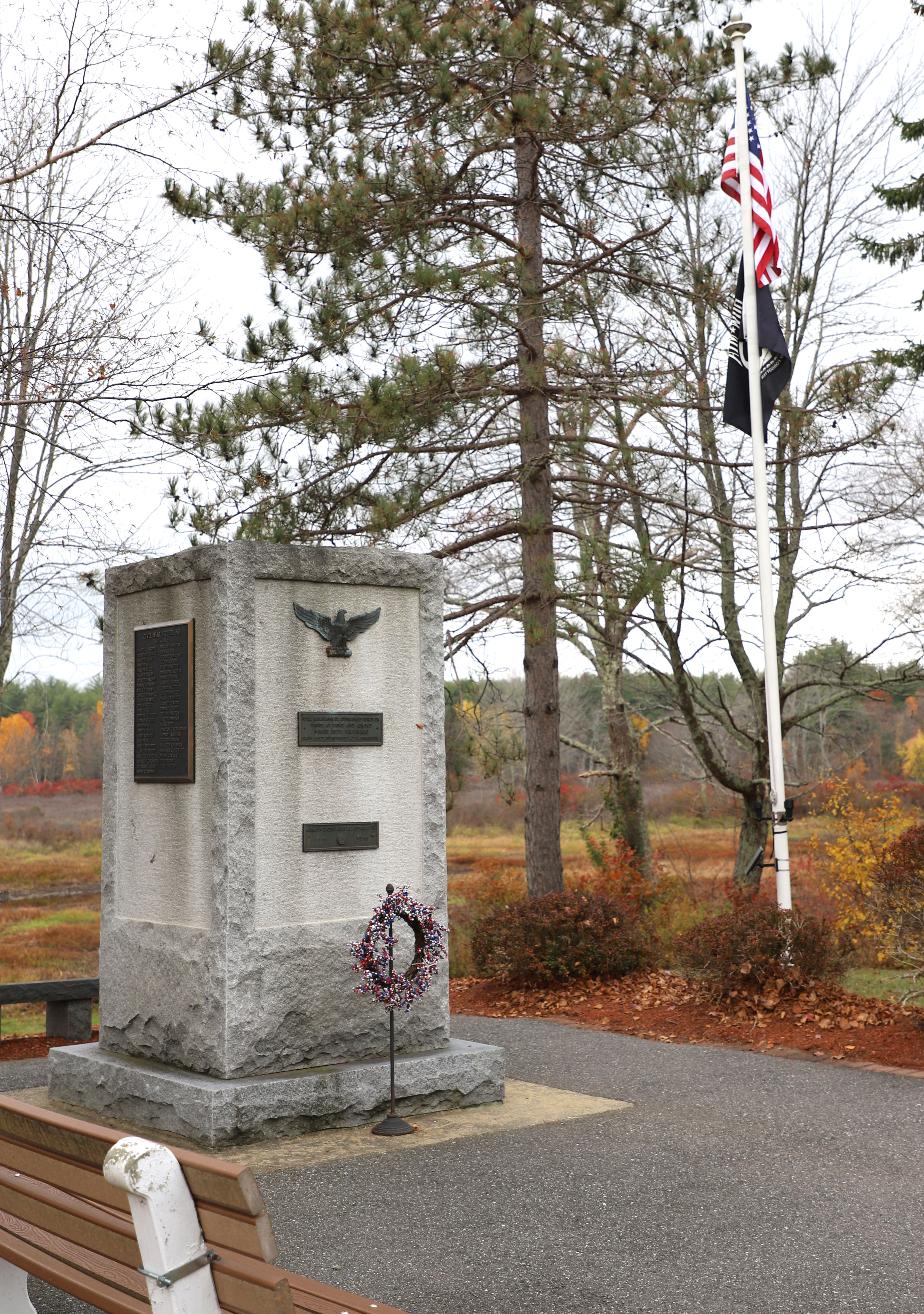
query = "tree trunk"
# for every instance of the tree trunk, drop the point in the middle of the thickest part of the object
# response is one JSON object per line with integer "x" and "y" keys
{"x": 11, "y": 551}
{"x": 628, "y": 804}
{"x": 751, "y": 837}
{"x": 540, "y": 660}
{"x": 6, "y": 651}
{"x": 633, "y": 824}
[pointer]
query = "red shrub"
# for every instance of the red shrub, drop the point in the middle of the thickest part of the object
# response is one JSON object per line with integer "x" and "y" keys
{"x": 897, "y": 896}
{"x": 911, "y": 791}
{"x": 902, "y": 864}
{"x": 53, "y": 788}
{"x": 575, "y": 796}
{"x": 558, "y": 937}
{"x": 744, "y": 949}
{"x": 614, "y": 873}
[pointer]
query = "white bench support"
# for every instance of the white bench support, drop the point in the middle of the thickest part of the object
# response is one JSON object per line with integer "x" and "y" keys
{"x": 174, "y": 1258}
{"x": 14, "y": 1298}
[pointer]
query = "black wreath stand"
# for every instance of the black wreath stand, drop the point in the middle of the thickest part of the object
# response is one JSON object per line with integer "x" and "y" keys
{"x": 392, "y": 1125}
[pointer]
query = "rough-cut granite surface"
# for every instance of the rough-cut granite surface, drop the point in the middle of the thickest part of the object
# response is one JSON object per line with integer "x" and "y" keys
{"x": 220, "y": 1112}
{"x": 218, "y": 955}
{"x": 228, "y": 996}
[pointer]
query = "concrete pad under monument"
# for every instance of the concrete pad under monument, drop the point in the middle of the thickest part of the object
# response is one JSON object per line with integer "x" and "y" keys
{"x": 261, "y": 788}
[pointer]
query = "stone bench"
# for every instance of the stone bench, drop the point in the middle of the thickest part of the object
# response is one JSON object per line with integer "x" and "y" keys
{"x": 68, "y": 1004}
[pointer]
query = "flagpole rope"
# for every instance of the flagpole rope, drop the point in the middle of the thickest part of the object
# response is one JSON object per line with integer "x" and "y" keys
{"x": 735, "y": 31}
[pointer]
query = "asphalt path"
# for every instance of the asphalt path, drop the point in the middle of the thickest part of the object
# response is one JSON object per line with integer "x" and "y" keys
{"x": 737, "y": 1183}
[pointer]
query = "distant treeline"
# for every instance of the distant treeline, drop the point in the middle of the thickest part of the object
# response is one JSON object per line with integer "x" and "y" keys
{"x": 871, "y": 728}
{"x": 50, "y": 730}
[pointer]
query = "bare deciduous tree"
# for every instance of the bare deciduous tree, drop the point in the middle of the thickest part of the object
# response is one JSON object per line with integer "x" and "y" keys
{"x": 93, "y": 106}
{"x": 80, "y": 338}
{"x": 823, "y": 452}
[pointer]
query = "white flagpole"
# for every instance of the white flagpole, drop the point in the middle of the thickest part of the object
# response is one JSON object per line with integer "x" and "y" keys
{"x": 736, "y": 31}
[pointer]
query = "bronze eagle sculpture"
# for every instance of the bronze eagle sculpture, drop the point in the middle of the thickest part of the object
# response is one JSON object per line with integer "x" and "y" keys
{"x": 338, "y": 631}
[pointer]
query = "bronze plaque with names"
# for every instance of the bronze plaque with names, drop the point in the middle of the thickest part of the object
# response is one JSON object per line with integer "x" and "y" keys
{"x": 339, "y": 729}
{"x": 165, "y": 750}
{"x": 339, "y": 836}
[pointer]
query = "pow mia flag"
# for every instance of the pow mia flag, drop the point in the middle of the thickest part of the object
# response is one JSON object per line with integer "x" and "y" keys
{"x": 775, "y": 364}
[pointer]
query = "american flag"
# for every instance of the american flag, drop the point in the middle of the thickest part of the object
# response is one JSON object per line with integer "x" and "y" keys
{"x": 766, "y": 242}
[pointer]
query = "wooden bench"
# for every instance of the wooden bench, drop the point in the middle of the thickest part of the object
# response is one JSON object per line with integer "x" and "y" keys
{"x": 61, "y": 1220}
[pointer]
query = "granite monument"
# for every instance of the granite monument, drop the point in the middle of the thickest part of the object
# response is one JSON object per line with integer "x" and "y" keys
{"x": 273, "y": 758}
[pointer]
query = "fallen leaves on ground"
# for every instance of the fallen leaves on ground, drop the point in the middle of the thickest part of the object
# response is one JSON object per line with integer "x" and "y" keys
{"x": 29, "y": 1047}
{"x": 819, "y": 1019}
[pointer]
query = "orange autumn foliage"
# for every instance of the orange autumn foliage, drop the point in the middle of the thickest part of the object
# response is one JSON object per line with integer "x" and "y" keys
{"x": 864, "y": 824}
{"x": 17, "y": 742}
{"x": 911, "y": 753}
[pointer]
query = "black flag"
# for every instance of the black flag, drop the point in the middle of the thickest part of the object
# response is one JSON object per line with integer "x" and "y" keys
{"x": 775, "y": 365}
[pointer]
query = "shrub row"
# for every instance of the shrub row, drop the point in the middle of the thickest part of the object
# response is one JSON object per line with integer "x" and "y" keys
{"x": 52, "y": 788}
{"x": 614, "y": 922}
{"x": 576, "y": 935}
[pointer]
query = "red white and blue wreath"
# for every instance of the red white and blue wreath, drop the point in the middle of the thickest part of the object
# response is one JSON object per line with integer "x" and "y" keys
{"x": 402, "y": 989}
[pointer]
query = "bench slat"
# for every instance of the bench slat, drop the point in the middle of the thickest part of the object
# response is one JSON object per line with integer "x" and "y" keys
{"x": 79, "y": 1263}
{"x": 307, "y": 1302}
{"x": 247, "y": 1235}
{"x": 68, "y": 1217}
{"x": 259, "y": 1292}
{"x": 242, "y": 1286}
{"x": 42, "y": 1265}
{"x": 318, "y": 1298}
{"x": 252, "y": 1237}
{"x": 210, "y": 1180}
{"x": 63, "y": 1173}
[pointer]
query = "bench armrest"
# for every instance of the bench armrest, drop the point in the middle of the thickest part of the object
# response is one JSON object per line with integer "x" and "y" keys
{"x": 174, "y": 1258}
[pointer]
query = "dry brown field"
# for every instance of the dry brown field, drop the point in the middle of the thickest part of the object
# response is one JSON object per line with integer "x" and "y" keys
{"x": 50, "y": 865}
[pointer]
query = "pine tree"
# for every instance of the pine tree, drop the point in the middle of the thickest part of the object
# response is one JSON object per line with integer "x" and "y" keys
{"x": 904, "y": 198}
{"x": 452, "y": 177}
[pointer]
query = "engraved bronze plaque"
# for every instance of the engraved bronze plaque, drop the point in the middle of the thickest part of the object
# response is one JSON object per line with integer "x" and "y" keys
{"x": 165, "y": 750}
{"x": 339, "y": 836}
{"x": 339, "y": 729}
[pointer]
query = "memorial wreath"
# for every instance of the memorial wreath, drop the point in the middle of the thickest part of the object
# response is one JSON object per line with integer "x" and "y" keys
{"x": 373, "y": 954}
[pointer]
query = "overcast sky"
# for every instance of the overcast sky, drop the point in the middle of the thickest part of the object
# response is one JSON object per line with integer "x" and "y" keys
{"x": 213, "y": 276}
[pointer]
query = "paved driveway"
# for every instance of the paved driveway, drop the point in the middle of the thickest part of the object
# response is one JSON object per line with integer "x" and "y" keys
{"x": 736, "y": 1184}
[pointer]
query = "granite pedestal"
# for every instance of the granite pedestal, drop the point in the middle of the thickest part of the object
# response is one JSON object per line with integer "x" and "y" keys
{"x": 227, "y": 997}
{"x": 216, "y": 1112}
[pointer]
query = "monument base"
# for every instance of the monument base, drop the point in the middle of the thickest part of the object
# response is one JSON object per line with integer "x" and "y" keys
{"x": 212, "y": 1112}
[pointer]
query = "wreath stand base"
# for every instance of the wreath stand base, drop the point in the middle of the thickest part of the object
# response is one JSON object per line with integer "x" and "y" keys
{"x": 392, "y": 1125}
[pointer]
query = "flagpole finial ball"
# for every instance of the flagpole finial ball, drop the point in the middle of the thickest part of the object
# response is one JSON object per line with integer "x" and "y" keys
{"x": 736, "y": 27}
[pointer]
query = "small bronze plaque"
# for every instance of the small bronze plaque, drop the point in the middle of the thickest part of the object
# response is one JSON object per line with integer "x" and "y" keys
{"x": 339, "y": 729}
{"x": 165, "y": 703}
{"x": 338, "y": 836}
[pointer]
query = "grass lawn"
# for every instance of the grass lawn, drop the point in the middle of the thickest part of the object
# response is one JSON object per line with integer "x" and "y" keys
{"x": 704, "y": 845}
{"x": 467, "y": 845}
{"x": 29, "y": 1020}
{"x": 45, "y": 941}
{"x": 877, "y": 983}
{"x": 43, "y": 869}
